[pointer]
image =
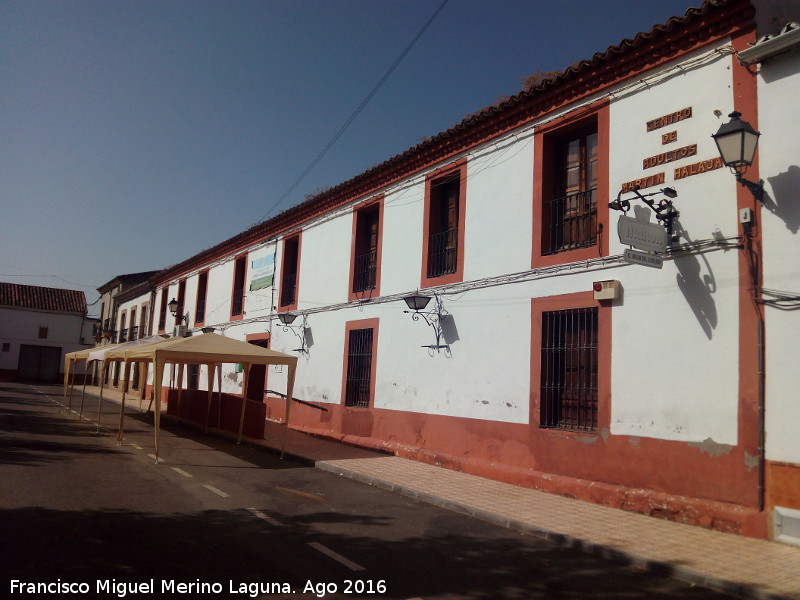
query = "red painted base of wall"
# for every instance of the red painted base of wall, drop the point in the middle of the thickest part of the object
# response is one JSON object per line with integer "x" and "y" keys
{"x": 686, "y": 483}
{"x": 193, "y": 406}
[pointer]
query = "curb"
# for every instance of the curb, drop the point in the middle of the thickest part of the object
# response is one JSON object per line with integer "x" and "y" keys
{"x": 684, "y": 574}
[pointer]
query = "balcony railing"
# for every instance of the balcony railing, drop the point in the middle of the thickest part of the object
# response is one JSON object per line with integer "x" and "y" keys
{"x": 443, "y": 253}
{"x": 133, "y": 333}
{"x": 289, "y": 290}
{"x": 114, "y": 337}
{"x": 570, "y": 222}
{"x": 365, "y": 271}
{"x": 237, "y": 306}
{"x": 200, "y": 311}
{"x": 123, "y": 336}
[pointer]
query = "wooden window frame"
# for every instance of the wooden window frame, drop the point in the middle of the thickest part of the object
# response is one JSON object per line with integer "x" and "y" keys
{"x": 373, "y": 204}
{"x": 547, "y": 140}
{"x": 350, "y": 326}
{"x": 290, "y": 239}
{"x": 238, "y": 259}
{"x": 162, "y": 314}
{"x": 458, "y": 168}
{"x": 201, "y": 301}
{"x": 579, "y": 300}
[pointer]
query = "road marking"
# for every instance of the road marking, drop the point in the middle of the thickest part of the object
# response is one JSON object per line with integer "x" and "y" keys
{"x": 211, "y": 488}
{"x": 182, "y": 472}
{"x": 266, "y": 518}
{"x": 138, "y": 447}
{"x": 302, "y": 494}
{"x": 336, "y": 556}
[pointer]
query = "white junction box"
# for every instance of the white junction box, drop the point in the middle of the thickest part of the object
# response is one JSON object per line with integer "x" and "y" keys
{"x": 606, "y": 290}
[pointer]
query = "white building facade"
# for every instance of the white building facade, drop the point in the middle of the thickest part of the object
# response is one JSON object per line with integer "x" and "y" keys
{"x": 545, "y": 356}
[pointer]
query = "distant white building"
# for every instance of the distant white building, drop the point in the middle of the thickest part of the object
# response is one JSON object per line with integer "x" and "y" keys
{"x": 38, "y": 325}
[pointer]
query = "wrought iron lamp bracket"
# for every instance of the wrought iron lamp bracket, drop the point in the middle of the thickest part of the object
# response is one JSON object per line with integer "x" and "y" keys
{"x": 433, "y": 319}
{"x": 665, "y": 212}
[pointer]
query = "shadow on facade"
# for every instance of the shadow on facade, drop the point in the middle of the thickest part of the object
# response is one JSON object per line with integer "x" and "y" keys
{"x": 697, "y": 283}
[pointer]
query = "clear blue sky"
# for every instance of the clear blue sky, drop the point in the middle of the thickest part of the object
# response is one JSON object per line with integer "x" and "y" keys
{"x": 137, "y": 133}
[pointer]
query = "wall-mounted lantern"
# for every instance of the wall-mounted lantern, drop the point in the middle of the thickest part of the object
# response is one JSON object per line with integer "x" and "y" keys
{"x": 434, "y": 318}
{"x": 287, "y": 318}
{"x": 737, "y": 142}
{"x": 173, "y": 309}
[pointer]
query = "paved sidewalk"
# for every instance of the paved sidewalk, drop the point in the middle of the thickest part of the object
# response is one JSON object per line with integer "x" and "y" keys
{"x": 733, "y": 564}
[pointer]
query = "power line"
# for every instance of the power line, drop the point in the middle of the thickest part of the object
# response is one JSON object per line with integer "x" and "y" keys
{"x": 355, "y": 114}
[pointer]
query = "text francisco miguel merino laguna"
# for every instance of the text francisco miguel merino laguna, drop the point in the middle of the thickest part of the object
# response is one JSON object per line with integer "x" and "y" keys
{"x": 161, "y": 587}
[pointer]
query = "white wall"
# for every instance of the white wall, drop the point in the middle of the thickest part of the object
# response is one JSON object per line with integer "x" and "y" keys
{"x": 779, "y": 156}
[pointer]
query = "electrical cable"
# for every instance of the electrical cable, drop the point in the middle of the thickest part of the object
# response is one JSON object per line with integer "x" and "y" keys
{"x": 356, "y": 112}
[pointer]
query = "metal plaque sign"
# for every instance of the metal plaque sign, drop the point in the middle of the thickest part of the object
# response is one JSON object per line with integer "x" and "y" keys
{"x": 640, "y": 233}
{"x": 643, "y": 258}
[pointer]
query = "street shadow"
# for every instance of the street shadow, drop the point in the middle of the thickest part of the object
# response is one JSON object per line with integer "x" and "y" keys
{"x": 18, "y": 451}
{"x": 477, "y": 562}
{"x": 697, "y": 284}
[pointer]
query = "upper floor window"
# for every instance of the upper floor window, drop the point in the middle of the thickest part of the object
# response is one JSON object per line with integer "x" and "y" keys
{"x": 42, "y": 332}
{"x": 237, "y": 297}
{"x": 162, "y": 315}
{"x": 571, "y": 189}
{"x": 289, "y": 272}
{"x": 200, "y": 306}
{"x": 123, "y": 333}
{"x": 443, "y": 241}
{"x": 570, "y": 213}
{"x": 366, "y": 251}
{"x": 143, "y": 321}
{"x": 181, "y": 302}
{"x": 133, "y": 330}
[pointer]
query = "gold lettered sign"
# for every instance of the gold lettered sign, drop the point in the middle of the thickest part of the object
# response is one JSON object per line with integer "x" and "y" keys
{"x": 644, "y": 182}
{"x": 699, "y": 167}
{"x": 665, "y": 157}
{"x": 678, "y": 115}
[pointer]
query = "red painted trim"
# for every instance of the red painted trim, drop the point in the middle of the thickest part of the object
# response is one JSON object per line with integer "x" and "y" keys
{"x": 293, "y": 306}
{"x": 461, "y": 167}
{"x": 236, "y": 259}
{"x": 348, "y": 327}
{"x": 205, "y": 298}
{"x": 565, "y": 302}
{"x": 374, "y": 293}
{"x": 745, "y": 100}
{"x": 544, "y": 170}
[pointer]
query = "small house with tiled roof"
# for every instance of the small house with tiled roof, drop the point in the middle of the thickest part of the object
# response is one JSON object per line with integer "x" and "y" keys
{"x": 38, "y": 325}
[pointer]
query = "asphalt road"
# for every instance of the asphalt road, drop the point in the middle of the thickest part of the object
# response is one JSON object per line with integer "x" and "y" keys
{"x": 81, "y": 517}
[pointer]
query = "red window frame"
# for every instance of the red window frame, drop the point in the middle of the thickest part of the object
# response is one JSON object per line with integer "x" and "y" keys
{"x": 350, "y": 326}
{"x": 360, "y": 243}
{"x": 239, "y": 283}
{"x": 547, "y": 172}
{"x": 430, "y": 228}
{"x": 295, "y": 243}
{"x": 200, "y": 298}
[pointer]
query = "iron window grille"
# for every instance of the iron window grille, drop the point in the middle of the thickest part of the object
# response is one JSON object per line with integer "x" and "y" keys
{"x": 200, "y": 308}
{"x": 365, "y": 271}
{"x": 569, "y": 358}
{"x": 238, "y": 302}
{"x": 443, "y": 253}
{"x": 572, "y": 222}
{"x": 359, "y": 368}
{"x": 291, "y": 260}
{"x": 133, "y": 333}
{"x": 289, "y": 289}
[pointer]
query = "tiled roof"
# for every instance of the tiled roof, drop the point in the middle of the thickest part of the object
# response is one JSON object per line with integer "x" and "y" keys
{"x": 42, "y": 298}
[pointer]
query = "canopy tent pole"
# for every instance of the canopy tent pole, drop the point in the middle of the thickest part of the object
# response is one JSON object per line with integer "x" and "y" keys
{"x": 244, "y": 400}
{"x": 74, "y": 364}
{"x": 158, "y": 373}
{"x": 211, "y": 369}
{"x": 103, "y": 373}
{"x": 143, "y": 370}
{"x": 67, "y": 362}
{"x": 180, "y": 390}
{"x": 289, "y": 392}
{"x": 83, "y": 392}
{"x": 219, "y": 397}
{"x": 126, "y": 373}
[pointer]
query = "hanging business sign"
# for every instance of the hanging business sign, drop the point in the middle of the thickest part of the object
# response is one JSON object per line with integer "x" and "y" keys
{"x": 261, "y": 272}
{"x": 642, "y": 258}
{"x": 640, "y": 233}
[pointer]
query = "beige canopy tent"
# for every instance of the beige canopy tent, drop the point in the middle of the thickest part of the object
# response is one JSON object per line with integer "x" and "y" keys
{"x": 71, "y": 360}
{"x": 209, "y": 349}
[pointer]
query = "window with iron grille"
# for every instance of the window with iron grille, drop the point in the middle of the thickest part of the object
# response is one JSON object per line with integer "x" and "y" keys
{"x": 181, "y": 302}
{"x": 200, "y": 306}
{"x": 569, "y": 369}
{"x": 162, "y": 316}
{"x": 365, "y": 261}
{"x": 291, "y": 260}
{"x": 570, "y": 214}
{"x": 194, "y": 377}
{"x": 443, "y": 225}
{"x": 359, "y": 368}
{"x": 237, "y": 301}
